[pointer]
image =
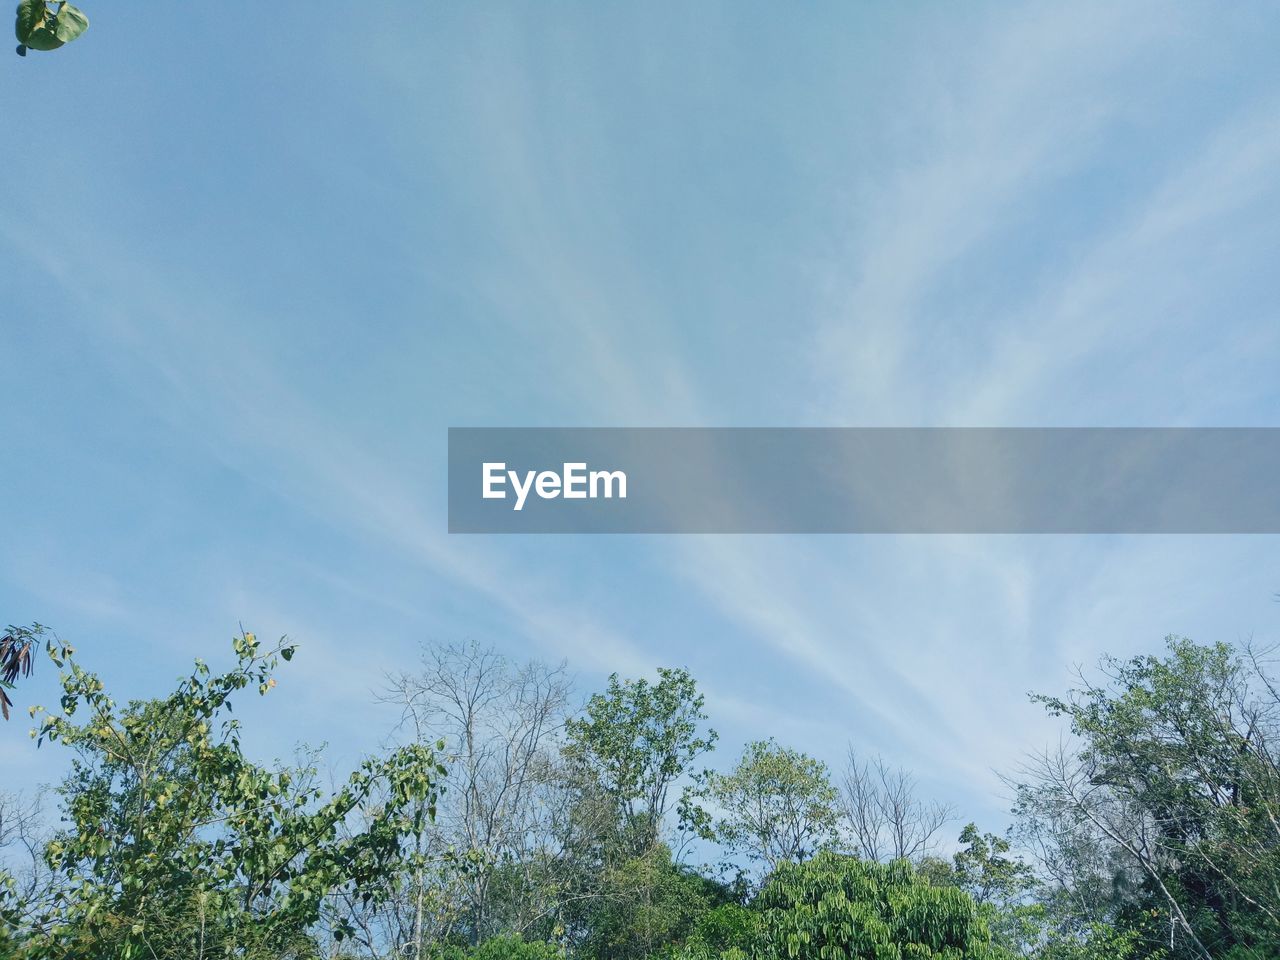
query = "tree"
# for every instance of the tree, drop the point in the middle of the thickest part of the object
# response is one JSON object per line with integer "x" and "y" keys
{"x": 883, "y": 815}
{"x": 500, "y": 722}
{"x": 1169, "y": 798}
{"x": 840, "y": 906}
{"x": 1003, "y": 886}
{"x": 42, "y": 27}
{"x": 647, "y": 903}
{"x": 730, "y": 931}
{"x": 176, "y": 846}
{"x": 636, "y": 740}
{"x": 622, "y": 757}
{"x": 776, "y": 806}
{"x": 507, "y": 948}
{"x": 985, "y": 869}
{"x": 24, "y": 879}
{"x": 1096, "y": 941}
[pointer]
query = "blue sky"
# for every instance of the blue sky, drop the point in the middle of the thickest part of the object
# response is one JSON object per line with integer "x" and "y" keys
{"x": 255, "y": 267}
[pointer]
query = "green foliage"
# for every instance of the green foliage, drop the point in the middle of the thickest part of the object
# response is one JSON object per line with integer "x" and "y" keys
{"x": 635, "y": 740}
{"x": 176, "y": 846}
{"x": 985, "y": 869}
{"x": 644, "y": 904}
{"x": 503, "y": 948}
{"x": 728, "y": 932}
{"x": 776, "y": 806}
{"x": 41, "y": 27}
{"x": 835, "y": 907}
{"x": 1178, "y": 774}
{"x": 696, "y": 951}
{"x": 1096, "y": 941}
{"x": 1002, "y": 886}
{"x": 1154, "y": 831}
{"x": 1026, "y": 917}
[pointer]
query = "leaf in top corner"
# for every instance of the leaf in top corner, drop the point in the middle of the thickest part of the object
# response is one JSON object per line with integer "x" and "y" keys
{"x": 31, "y": 14}
{"x": 43, "y": 37}
{"x": 70, "y": 23}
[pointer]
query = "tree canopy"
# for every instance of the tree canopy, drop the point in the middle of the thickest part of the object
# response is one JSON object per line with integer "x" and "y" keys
{"x": 500, "y": 822}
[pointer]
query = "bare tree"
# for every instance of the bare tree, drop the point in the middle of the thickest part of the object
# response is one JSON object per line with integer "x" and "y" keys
{"x": 501, "y": 723}
{"x": 22, "y": 845}
{"x": 883, "y": 816}
{"x": 1084, "y": 812}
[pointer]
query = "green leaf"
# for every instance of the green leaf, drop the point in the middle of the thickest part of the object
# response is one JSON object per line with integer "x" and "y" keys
{"x": 38, "y": 29}
{"x": 31, "y": 14}
{"x": 70, "y": 23}
{"x": 43, "y": 38}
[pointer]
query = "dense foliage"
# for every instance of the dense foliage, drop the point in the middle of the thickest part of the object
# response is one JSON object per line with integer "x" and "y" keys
{"x": 836, "y": 907}
{"x": 775, "y": 806}
{"x": 1166, "y": 816}
{"x": 507, "y": 826}
{"x": 173, "y": 844}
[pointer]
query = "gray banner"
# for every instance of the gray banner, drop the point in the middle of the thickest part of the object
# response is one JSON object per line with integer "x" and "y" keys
{"x": 854, "y": 480}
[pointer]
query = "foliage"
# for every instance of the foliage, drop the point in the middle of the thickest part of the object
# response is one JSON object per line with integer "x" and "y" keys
{"x": 836, "y": 907}
{"x": 776, "y": 806}
{"x": 1150, "y": 836}
{"x": 1096, "y": 941}
{"x": 175, "y": 845}
{"x": 1002, "y": 886}
{"x": 985, "y": 869}
{"x": 17, "y": 659}
{"x": 728, "y": 932}
{"x": 635, "y": 740}
{"x": 503, "y": 948}
{"x": 1027, "y": 916}
{"x": 42, "y": 27}
{"x": 644, "y": 904}
{"x": 1171, "y": 802}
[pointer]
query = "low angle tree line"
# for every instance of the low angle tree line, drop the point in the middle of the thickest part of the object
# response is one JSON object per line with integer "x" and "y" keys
{"x": 503, "y": 820}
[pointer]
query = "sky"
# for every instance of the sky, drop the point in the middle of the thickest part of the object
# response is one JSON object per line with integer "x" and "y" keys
{"x": 256, "y": 265}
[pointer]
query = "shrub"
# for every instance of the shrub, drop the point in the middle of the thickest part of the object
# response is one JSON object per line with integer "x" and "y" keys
{"x": 836, "y": 907}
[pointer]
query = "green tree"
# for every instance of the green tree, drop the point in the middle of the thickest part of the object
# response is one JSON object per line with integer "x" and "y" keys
{"x": 731, "y": 931}
{"x": 986, "y": 870}
{"x": 1095, "y": 941}
{"x": 644, "y": 905}
{"x": 1170, "y": 798}
{"x": 1002, "y": 885}
{"x": 176, "y": 846}
{"x": 776, "y": 806}
{"x": 635, "y": 741}
{"x": 836, "y": 907}
{"x": 502, "y": 948}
